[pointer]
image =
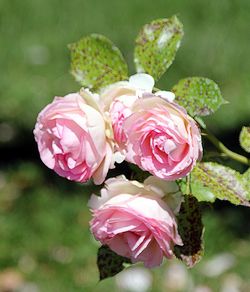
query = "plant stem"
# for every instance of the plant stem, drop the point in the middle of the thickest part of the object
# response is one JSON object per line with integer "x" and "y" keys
{"x": 188, "y": 184}
{"x": 218, "y": 144}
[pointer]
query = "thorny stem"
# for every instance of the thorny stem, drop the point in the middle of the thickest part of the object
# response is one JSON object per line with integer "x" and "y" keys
{"x": 218, "y": 144}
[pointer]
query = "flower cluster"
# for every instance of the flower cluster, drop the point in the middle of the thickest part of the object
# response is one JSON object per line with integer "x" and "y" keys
{"x": 82, "y": 135}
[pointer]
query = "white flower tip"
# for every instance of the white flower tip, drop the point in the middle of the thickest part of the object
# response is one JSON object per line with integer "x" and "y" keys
{"x": 167, "y": 95}
{"x": 119, "y": 157}
{"x": 142, "y": 81}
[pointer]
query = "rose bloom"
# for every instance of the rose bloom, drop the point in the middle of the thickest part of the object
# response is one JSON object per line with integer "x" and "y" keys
{"x": 135, "y": 220}
{"x": 151, "y": 130}
{"x": 119, "y": 98}
{"x": 162, "y": 138}
{"x": 71, "y": 137}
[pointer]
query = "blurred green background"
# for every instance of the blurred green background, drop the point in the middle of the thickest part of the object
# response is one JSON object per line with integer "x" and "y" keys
{"x": 45, "y": 244}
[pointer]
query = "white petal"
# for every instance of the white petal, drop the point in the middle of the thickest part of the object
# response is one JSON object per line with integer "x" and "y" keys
{"x": 119, "y": 157}
{"x": 142, "y": 81}
{"x": 167, "y": 95}
{"x": 90, "y": 98}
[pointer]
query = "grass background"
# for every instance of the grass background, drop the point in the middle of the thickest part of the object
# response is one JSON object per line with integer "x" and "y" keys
{"x": 44, "y": 219}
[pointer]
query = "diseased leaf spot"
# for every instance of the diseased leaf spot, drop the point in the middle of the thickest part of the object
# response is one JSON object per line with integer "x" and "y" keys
{"x": 96, "y": 62}
{"x": 156, "y": 46}
{"x": 223, "y": 182}
{"x": 200, "y": 96}
{"x": 191, "y": 229}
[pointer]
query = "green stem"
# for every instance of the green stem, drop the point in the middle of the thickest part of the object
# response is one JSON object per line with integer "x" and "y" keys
{"x": 188, "y": 184}
{"x": 218, "y": 144}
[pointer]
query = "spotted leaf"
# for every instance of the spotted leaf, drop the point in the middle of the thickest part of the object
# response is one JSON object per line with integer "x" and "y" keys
{"x": 156, "y": 46}
{"x": 198, "y": 95}
{"x": 96, "y": 62}
{"x": 245, "y": 138}
{"x": 109, "y": 263}
{"x": 211, "y": 181}
{"x": 190, "y": 228}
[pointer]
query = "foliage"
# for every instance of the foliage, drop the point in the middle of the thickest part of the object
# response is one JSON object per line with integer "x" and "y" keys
{"x": 191, "y": 229}
{"x": 156, "y": 46}
{"x": 245, "y": 138}
{"x": 97, "y": 62}
{"x": 210, "y": 181}
{"x": 200, "y": 96}
{"x": 109, "y": 263}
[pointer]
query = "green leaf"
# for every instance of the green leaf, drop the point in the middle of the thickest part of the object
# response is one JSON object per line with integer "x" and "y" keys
{"x": 109, "y": 263}
{"x": 210, "y": 180}
{"x": 190, "y": 228}
{"x": 156, "y": 46}
{"x": 96, "y": 62}
{"x": 246, "y": 180}
{"x": 198, "y": 95}
{"x": 199, "y": 191}
{"x": 245, "y": 138}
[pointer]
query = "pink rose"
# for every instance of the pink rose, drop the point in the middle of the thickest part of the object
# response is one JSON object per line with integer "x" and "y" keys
{"x": 71, "y": 138}
{"x": 162, "y": 138}
{"x": 150, "y": 130}
{"x": 118, "y": 99}
{"x": 120, "y": 109}
{"x": 134, "y": 220}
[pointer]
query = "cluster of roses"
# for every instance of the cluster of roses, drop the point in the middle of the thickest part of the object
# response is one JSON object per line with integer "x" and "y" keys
{"x": 82, "y": 136}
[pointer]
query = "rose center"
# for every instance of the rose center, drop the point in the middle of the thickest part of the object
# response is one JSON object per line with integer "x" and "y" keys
{"x": 164, "y": 144}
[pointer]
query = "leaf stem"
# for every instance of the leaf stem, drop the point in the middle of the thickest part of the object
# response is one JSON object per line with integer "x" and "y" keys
{"x": 218, "y": 144}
